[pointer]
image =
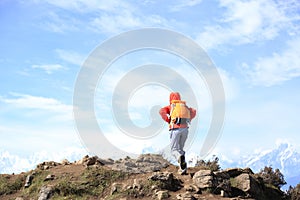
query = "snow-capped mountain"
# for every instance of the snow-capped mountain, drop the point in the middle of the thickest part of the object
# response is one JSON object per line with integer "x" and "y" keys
{"x": 11, "y": 163}
{"x": 284, "y": 157}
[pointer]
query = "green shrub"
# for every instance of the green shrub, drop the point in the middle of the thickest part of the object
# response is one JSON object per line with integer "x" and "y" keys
{"x": 294, "y": 192}
{"x": 272, "y": 177}
{"x": 213, "y": 164}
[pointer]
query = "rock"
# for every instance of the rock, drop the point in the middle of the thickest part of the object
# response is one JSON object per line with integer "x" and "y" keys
{"x": 82, "y": 161}
{"x": 19, "y": 198}
{"x": 89, "y": 161}
{"x": 116, "y": 187}
{"x": 166, "y": 181}
{"x": 47, "y": 165}
{"x": 45, "y": 193}
{"x": 28, "y": 181}
{"x": 233, "y": 172}
{"x": 223, "y": 187}
{"x": 192, "y": 188}
{"x": 136, "y": 184}
{"x": 223, "y": 193}
{"x": 65, "y": 162}
{"x": 204, "y": 179}
{"x": 143, "y": 164}
{"x": 221, "y": 175}
{"x": 162, "y": 194}
{"x": 247, "y": 184}
{"x": 49, "y": 177}
{"x": 108, "y": 161}
{"x": 185, "y": 196}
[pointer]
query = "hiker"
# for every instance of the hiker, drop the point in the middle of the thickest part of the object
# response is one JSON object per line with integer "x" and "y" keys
{"x": 178, "y": 116}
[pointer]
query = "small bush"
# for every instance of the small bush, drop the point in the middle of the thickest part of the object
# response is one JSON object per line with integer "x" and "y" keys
{"x": 272, "y": 177}
{"x": 294, "y": 192}
{"x": 213, "y": 164}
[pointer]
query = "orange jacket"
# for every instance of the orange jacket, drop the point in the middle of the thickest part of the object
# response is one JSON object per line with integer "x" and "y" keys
{"x": 165, "y": 111}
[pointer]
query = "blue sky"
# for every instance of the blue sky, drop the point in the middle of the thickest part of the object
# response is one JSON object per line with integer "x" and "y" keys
{"x": 254, "y": 45}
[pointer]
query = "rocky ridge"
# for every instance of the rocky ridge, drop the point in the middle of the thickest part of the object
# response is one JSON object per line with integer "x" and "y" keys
{"x": 147, "y": 177}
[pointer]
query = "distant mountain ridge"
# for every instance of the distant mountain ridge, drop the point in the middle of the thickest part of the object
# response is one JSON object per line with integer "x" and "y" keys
{"x": 12, "y": 163}
{"x": 284, "y": 157}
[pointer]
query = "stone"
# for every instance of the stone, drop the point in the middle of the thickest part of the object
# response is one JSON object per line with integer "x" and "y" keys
{"x": 136, "y": 184}
{"x": 204, "y": 179}
{"x": 28, "y": 181}
{"x": 90, "y": 161}
{"x": 145, "y": 163}
{"x": 247, "y": 184}
{"x": 167, "y": 180}
{"x": 185, "y": 196}
{"x": 162, "y": 195}
{"x": 47, "y": 165}
{"x": 233, "y": 172}
{"x": 45, "y": 193}
{"x": 192, "y": 188}
{"x": 65, "y": 162}
{"x": 108, "y": 161}
{"x": 49, "y": 177}
{"x": 116, "y": 187}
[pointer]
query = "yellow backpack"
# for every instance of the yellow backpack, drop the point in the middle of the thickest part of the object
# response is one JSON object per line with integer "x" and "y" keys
{"x": 180, "y": 113}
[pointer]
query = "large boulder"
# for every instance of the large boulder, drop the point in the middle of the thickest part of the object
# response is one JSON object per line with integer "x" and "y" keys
{"x": 166, "y": 180}
{"x": 45, "y": 193}
{"x": 247, "y": 184}
{"x": 204, "y": 179}
{"x": 28, "y": 180}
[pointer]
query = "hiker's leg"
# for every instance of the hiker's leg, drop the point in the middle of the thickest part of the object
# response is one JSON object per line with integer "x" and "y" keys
{"x": 182, "y": 161}
{"x": 174, "y": 144}
{"x": 183, "y": 137}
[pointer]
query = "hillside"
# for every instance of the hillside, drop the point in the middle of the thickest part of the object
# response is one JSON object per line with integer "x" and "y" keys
{"x": 147, "y": 177}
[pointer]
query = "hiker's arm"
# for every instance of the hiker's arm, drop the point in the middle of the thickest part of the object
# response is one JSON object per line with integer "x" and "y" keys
{"x": 192, "y": 112}
{"x": 164, "y": 113}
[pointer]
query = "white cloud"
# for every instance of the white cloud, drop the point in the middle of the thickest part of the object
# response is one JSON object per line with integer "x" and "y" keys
{"x": 246, "y": 22}
{"x": 104, "y": 16}
{"x": 184, "y": 4}
{"x": 36, "y": 102}
{"x": 60, "y": 23}
{"x": 83, "y": 6}
{"x": 49, "y": 69}
{"x": 125, "y": 20}
{"x": 114, "y": 23}
{"x": 43, "y": 105}
{"x": 71, "y": 56}
{"x": 275, "y": 69}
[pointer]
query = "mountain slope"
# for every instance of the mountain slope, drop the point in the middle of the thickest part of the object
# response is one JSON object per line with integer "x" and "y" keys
{"x": 147, "y": 177}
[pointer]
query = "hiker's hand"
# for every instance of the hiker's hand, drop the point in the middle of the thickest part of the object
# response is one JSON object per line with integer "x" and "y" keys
{"x": 168, "y": 120}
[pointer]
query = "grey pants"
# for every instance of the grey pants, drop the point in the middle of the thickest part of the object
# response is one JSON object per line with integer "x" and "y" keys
{"x": 178, "y": 138}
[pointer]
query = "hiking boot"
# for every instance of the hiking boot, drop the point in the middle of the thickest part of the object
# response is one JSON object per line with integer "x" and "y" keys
{"x": 182, "y": 172}
{"x": 182, "y": 162}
